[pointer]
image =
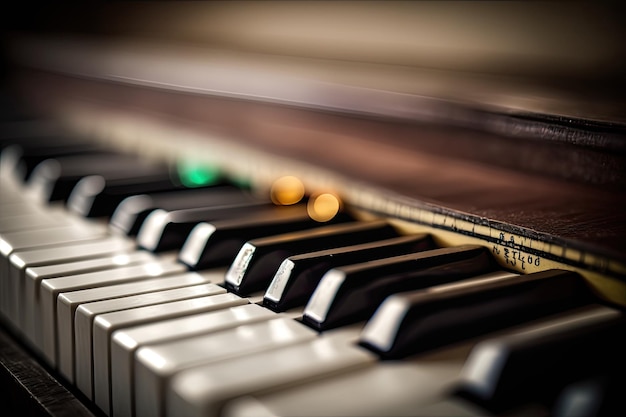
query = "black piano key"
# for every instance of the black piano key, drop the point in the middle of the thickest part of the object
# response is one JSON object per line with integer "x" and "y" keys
{"x": 425, "y": 319}
{"x": 217, "y": 243}
{"x": 165, "y": 230}
{"x": 532, "y": 366}
{"x": 132, "y": 211}
{"x": 352, "y": 293}
{"x": 24, "y": 155}
{"x": 55, "y": 178}
{"x": 96, "y": 196}
{"x": 298, "y": 276}
{"x": 259, "y": 259}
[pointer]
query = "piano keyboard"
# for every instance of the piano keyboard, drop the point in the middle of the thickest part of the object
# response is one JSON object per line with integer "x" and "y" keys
{"x": 149, "y": 298}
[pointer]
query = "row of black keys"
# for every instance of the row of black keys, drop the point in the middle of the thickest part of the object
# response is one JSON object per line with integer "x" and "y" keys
{"x": 261, "y": 241}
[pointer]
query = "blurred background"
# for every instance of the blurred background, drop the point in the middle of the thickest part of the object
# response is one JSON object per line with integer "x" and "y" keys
{"x": 567, "y": 47}
{"x": 510, "y": 75}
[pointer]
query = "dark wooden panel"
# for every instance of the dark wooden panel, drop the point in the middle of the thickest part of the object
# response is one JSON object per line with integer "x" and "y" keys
{"x": 28, "y": 389}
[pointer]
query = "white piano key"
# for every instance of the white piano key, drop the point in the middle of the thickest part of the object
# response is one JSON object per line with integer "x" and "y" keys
{"x": 31, "y": 221}
{"x": 201, "y": 391}
{"x": 13, "y": 204}
{"x": 105, "y": 324}
{"x": 125, "y": 343}
{"x": 58, "y": 235}
{"x": 249, "y": 406}
{"x": 156, "y": 364}
{"x": 59, "y": 261}
{"x": 30, "y": 306}
{"x": 65, "y": 260}
{"x": 68, "y": 302}
{"x": 10, "y": 191}
{"x": 13, "y": 241}
{"x": 137, "y": 309}
{"x": 45, "y": 335}
{"x": 390, "y": 388}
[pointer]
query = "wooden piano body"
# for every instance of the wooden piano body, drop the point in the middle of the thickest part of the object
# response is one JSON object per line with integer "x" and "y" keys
{"x": 496, "y": 125}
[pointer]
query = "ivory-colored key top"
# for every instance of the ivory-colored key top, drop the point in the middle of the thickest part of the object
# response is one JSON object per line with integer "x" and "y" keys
{"x": 201, "y": 391}
{"x": 156, "y": 364}
{"x": 31, "y": 239}
{"x": 68, "y": 302}
{"x": 58, "y": 261}
{"x": 125, "y": 343}
{"x": 105, "y": 324}
{"x": 45, "y": 335}
{"x": 30, "y": 308}
{"x": 390, "y": 388}
{"x": 60, "y": 235}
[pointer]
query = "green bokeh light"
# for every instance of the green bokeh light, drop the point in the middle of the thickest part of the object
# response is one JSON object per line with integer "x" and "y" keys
{"x": 197, "y": 174}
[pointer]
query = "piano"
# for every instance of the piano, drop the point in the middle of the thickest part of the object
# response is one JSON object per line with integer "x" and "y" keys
{"x": 313, "y": 209}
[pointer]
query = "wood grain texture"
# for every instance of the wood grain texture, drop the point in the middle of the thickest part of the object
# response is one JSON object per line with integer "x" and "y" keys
{"x": 28, "y": 389}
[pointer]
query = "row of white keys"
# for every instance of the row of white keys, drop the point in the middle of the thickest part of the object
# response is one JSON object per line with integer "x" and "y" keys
{"x": 201, "y": 391}
{"x": 155, "y": 364}
{"x": 34, "y": 322}
{"x": 48, "y": 237}
{"x": 134, "y": 307}
{"x": 13, "y": 205}
{"x": 125, "y": 343}
{"x": 29, "y": 268}
{"x": 68, "y": 302}
{"x": 104, "y": 324}
{"x": 49, "y": 289}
